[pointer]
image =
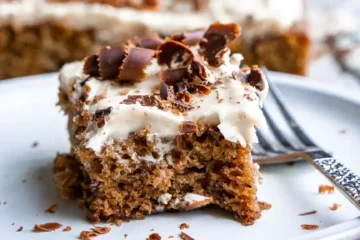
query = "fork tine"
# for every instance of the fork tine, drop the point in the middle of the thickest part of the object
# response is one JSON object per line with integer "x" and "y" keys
{"x": 289, "y": 119}
{"x": 276, "y": 131}
{"x": 267, "y": 147}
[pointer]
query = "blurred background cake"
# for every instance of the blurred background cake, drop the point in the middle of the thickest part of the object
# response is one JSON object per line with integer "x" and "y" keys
{"x": 38, "y": 36}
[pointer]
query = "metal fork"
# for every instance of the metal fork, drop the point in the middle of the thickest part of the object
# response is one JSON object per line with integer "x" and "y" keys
{"x": 268, "y": 152}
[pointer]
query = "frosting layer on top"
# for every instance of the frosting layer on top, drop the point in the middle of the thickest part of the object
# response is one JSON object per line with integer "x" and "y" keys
{"x": 174, "y": 97}
{"x": 171, "y": 16}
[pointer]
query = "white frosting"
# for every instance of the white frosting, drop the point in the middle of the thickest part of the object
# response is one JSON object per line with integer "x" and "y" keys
{"x": 112, "y": 23}
{"x": 164, "y": 198}
{"x": 191, "y": 198}
{"x": 233, "y": 107}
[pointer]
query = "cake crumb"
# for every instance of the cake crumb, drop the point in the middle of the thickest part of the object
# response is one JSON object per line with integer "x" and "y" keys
{"x": 101, "y": 230}
{"x": 184, "y": 225}
{"x": 35, "y": 144}
{"x": 335, "y": 207}
{"x": 154, "y": 236}
{"x": 264, "y": 205}
{"x": 220, "y": 100}
{"x": 95, "y": 231}
{"x": 326, "y": 189}
{"x": 126, "y": 235}
{"x": 170, "y": 237}
{"x": 185, "y": 236}
{"x": 307, "y": 213}
{"x": 309, "y": 226}
{"x": 47, "y": 227}
{"x": 20, "y": 229}
{"x": 152, "y": 230}
{"x": 52, "y": 208}
{"x": 67, "y": 229}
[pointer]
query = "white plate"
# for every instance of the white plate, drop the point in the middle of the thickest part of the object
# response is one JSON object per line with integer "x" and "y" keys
{"x": 28, "y": 114}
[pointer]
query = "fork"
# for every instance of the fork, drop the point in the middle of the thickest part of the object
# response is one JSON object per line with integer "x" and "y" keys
{"x": 268, "y": 152}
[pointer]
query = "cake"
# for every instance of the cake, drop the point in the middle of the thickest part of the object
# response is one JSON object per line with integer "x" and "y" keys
{"x": 162, "y": 124}
{"x": 38, "y": 36}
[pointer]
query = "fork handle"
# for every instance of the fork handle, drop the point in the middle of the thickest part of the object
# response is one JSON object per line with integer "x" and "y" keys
{"x": 347, "y": 182}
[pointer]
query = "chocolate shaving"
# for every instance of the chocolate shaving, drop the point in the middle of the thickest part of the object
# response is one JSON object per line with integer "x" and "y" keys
{"x": 135, "y": 62}
{"x": 188, "y": 127}
{"x": 20, "y": 229}
{"x": 181, "y": 106}
{"x": 47, "y": 227}
{"x": 184, "y": 225}
{"x": 149, "y": 42}
{"x": 154, "y": 236}
{"x": 217, "y": 39}
{"x": 173, "y": 76}
{"x": 174, "y": 51}
{"x": 109, "y": 61}
{"x": 184, "y": 236}
{"x": 91, "y": 66}
{"x": 101, "y": 230}
{"x": 165, "y": 92}
{"x": 255, "y": 78}
{"x": 201, "y": 88}
{"x": 145, "y": 100}
{"x": 326, "y": 189}
{"x": 190, "y": 38}
{"x": 67, "y": 229}
{"x": 308, "y": 213}
{"x": 52, "y": 208}
{"x": 99, "y": 114}
{"x": 309, "y": 226}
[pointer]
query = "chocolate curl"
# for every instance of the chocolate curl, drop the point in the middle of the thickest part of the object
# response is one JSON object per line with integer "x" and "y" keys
{"x": 135, "y": 62}
{"x": 91, "y": 66}
{"x": 190, "y": 38}
{"x": 255, "y": 78}
{"x": 149, "y": 42}
{"x": 198, "y": 68}
{"x": 217, "y": 39}
{"x": 252, "y": 75}
{"x": 173, "y": 76}
{"x": 173, "y": 50}
{"x": 110, "y": 59}
{"x": 201, "y": 88}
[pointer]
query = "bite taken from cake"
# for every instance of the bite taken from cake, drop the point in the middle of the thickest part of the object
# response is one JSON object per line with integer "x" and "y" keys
{"x": 162, "y": 124}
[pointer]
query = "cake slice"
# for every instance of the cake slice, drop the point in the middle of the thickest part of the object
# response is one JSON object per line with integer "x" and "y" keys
{"x": 162, "y": 124}
{"x": 40, "y": 36}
